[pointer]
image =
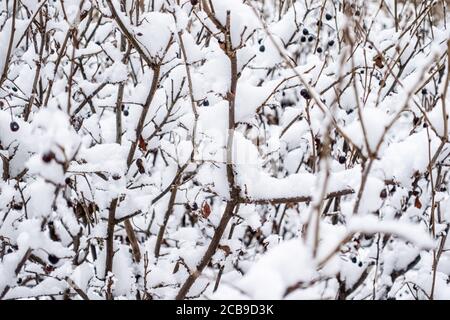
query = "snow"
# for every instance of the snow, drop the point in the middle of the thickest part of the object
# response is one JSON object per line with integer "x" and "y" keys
{"x": 121, "y": 174}
{"x": 275, "y": 271}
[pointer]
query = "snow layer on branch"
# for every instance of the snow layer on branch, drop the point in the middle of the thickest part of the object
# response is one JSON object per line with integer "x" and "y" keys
{"x": 411, "y": 232}
{"x": 281, "y": 267}
{"x": 155, "y": 32}
{"x": 242, "y": 19}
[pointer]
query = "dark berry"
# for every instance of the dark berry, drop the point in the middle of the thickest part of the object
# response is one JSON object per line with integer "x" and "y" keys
{"x": 48, "y": 156}
{"x": 424, "y": 91}
{"x": 328, "y": 16}
{"x": 357, "y": 13}
{"x": 14, "y": 89}
{"x": 139, "y": 34}
{"x": 303, "y": 39}
{"x": 342, "y": 159}
{"x": 305, "y": 32}
{"x": 310, "y": 38}
{"x": 383, "y": 194}
{"x": 53, "y": 259}
{"x": 1, "y": 104}
{"x": 206, "y": 103}
{"x": 116, "y": 176}
{"x": 194, "y": 2}
{"x": 305, "y": 94}
{"x": 331, "y": 43}
{"x": 126, "y": 113}
{"x": 14, "y": 126}
{"x": 9, "y": 250}
{"x": 354, "y": 259}
{"x": 195, "y": 206}
{"x": 262, "y": 48}
{"x": 360, "y": 264}
{"x": 319, "y": 50}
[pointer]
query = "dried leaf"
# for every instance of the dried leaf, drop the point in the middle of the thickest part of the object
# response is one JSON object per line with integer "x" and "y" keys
{"x": 417, "y": 203}
{"x": 140, "y": 165}
{"x": 206, "y": 210}
{"x": 142, "y": 144}
{"x": 226, "y": 249}
{"x": 379, "y": 61}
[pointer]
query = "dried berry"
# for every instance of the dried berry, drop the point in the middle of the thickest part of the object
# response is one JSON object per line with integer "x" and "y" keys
{"x": 48, "y": 156}
{"x": 53, "y": 259}
{"x": 328, "y": 16}
{"x": 305, "y": 94}
{"x": 14, "y": 126}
